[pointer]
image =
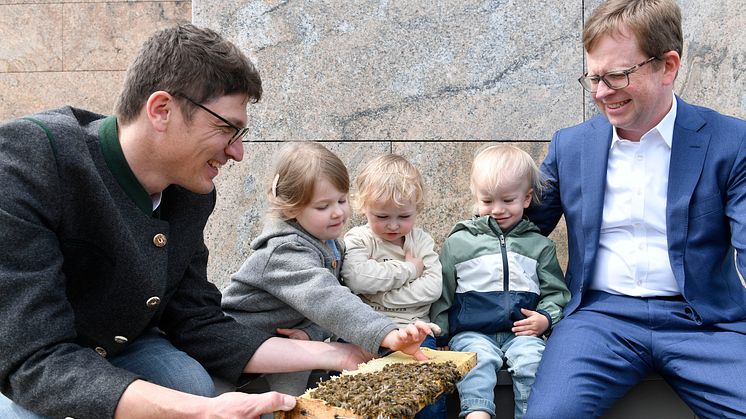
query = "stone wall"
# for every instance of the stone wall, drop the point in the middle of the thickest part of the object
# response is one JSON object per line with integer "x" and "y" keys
{"x": 432, "y": 80}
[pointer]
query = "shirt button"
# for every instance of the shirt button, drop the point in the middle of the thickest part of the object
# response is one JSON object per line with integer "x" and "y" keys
{"x": 101, "y": 351}
{"x": 120, "y": 339}
{"x": 153, "y": 302}
{"x": 159, "y": 240}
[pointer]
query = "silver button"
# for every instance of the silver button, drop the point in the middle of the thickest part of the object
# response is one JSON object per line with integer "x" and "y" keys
{"x": 159, "y": 240}
{"x": 120, "y": 339}
{"x": 153, "y": 302}
{"x": 101, "y": 351}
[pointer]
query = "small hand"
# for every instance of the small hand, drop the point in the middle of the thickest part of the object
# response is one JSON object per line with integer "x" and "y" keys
{"x": 418, "y": 264}
{"x": 409, "y": 339}
{"x": 534, "y": 324}
{"x": 294, "y": 333}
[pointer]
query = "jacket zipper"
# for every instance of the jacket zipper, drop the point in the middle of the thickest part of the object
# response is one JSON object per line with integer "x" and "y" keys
{"x": 504, "y": 254}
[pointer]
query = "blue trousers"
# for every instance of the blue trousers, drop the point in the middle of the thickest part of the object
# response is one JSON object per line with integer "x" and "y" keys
{"x": 596, "y": 354}
{"x": 152, "y": 357}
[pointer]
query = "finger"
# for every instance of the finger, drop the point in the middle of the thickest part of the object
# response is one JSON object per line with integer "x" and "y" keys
{"x": 279, "y": 401}
{"x": 420, "y": 356}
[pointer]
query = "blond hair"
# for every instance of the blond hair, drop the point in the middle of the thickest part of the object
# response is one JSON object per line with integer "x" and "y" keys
{"x": 497, "y": 164}
{"x": 389, "y": 179}
{"x": 297, "y": 168}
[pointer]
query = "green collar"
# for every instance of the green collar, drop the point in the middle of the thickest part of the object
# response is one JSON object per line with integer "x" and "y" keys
{"x": 114, "y": 157}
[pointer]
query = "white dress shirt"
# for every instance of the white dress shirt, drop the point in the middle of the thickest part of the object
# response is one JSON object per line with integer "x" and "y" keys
{"x": 633, "y": 248}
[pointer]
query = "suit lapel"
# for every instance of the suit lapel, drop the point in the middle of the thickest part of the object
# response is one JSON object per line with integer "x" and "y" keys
{"x": 688, "y": 151}
{"x": 593, "y": 163}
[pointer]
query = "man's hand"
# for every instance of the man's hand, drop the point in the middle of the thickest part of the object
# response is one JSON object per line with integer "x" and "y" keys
{"x": 418, "y": 264}
{"x": 145, "y": 400}
{"x": 409, "y": 339}
{"x": 243, "y": 405}
{"x": 297, "y": 334}
{"x": 534, "y": 324}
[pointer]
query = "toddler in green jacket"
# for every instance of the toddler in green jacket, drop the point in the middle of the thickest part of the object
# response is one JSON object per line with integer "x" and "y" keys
{"x": 503, "y": 288}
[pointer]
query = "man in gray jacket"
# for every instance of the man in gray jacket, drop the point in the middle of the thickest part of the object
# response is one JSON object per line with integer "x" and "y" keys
{"x": 105, "y": 305}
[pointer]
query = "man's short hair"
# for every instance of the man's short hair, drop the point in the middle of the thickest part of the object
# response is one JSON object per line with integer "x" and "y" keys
{"x": 186, "y": 60}
{"x": 655, "y": 23}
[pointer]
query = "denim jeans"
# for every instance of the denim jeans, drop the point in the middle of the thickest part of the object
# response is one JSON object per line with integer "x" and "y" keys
{"x": 152, "y": 357}
{"x": 522, "y": 355}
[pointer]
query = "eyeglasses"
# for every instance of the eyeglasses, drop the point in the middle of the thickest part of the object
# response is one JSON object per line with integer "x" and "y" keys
{"x": 614, "y": 79}
{"x": 240, "y": 132}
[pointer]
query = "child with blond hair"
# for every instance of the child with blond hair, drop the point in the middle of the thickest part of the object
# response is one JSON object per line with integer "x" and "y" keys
{"x": 503, "y": 289}
{"x": 290, "y": 284}
{"x": 391, "y": 264}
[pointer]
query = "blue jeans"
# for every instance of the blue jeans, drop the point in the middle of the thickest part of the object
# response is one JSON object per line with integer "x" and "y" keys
{"x": 522, "y": 355}
{"x": 152, "y": 357}
{"x": 437, "y": 409}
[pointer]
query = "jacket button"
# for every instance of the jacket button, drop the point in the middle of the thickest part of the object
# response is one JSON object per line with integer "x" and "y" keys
{"x": 159, "y": 240}
{"x": 101, "y": 351}
{"x": 153, "y": 302}
{"x": 120, "y": 339}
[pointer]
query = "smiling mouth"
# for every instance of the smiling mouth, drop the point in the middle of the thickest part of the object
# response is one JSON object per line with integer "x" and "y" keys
{"x": 617, "y": 105}
{"x": 215, "y": 164}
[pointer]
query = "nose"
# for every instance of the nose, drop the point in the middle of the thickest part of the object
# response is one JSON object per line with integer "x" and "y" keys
{"x": 338, "y": 211}
{"x": 235, "y": 151}
{"x": 602, "y": 90}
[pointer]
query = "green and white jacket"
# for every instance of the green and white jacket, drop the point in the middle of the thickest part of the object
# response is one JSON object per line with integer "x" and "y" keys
{"x": 488, "y": 276}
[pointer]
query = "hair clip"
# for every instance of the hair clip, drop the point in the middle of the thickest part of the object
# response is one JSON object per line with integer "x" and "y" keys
{"x": 274, "y": 185}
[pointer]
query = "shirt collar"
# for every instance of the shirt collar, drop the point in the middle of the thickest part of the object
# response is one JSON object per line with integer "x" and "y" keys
{"x": 114, "y": 157}
{"x": 664, "y": 127}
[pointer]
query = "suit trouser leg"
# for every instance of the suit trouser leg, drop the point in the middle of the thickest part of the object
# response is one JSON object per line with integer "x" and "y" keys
{"x": 597, "y": 353}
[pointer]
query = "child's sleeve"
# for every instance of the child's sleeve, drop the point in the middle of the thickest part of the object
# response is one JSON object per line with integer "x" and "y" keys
{"x": 296, "y": 275}
{"x": 439, "y": 309}
{"x": 554, "y": 293}
{"x": 424, "y": 290}
{"x": 364, "y": 275}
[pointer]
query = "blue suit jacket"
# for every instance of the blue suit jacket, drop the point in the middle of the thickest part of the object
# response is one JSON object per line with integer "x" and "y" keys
{"x": 705, "y": 210}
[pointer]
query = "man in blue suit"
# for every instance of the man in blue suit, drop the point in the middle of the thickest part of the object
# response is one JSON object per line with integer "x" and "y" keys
{"x": 654, "y": 195}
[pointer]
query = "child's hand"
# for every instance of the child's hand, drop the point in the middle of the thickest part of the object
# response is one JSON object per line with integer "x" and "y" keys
{"x": 409, "y": 339}
{"x": 534, "y": 324}
{"x": 417, "y": 262}
{"x": 294, "y": 334}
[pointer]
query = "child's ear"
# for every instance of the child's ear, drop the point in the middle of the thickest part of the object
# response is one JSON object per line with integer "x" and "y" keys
{"x": 527, "y": 198}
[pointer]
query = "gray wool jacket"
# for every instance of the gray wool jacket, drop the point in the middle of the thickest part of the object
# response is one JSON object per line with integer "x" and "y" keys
{"x": 84, "y": 270}
{"x": 292, "y": 281}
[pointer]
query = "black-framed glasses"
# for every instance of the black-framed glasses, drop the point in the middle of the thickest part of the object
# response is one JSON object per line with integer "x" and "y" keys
{"x": 240, "y": 132}
{"x": 613, "y": 79}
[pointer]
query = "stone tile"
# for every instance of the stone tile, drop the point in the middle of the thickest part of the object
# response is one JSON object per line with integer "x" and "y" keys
{"x": 241, "y": 205}
{"x": 25, "y": 93}
{"x": 107, "y": 36}
{"x": 31, "y": 38}
{"x": 409, "y": 70}
{"x": 64, "y": 1}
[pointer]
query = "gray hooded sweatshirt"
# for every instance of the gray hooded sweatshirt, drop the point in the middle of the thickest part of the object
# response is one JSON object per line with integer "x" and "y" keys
{"x": 292, "y": 281}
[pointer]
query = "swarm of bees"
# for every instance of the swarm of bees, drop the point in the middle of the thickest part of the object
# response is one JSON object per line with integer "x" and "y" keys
{"x": 399, "y": 390}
